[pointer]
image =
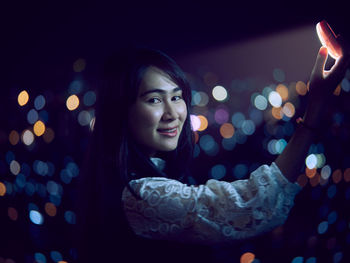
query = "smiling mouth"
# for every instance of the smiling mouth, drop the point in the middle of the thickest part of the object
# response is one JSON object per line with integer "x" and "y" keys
{"x": 168, "y": 132}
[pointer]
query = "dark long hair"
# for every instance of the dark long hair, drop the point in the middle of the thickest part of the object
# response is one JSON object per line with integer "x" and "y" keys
{"x": 112, "y": 152}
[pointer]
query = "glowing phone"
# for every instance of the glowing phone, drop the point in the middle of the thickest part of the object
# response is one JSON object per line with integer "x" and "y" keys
{"x": 328, "y": 39}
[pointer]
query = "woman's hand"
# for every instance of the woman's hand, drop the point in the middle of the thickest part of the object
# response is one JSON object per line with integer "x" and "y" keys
{"x": 323, "y": 83}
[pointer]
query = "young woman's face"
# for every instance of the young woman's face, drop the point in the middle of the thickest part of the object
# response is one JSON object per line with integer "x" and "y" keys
{"x": 157, "y": 117}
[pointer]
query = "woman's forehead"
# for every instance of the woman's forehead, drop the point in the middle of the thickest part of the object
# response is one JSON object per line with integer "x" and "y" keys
{"x": 155, "y": 78}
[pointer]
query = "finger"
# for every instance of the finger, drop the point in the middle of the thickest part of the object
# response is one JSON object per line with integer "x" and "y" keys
{"x": 321, "y": 59}
{"x": 328, "y": 39}
{"x": 337, "y": 72}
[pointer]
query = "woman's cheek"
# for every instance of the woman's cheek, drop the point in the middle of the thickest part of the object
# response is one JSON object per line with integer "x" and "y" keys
{"x": 151, "y": 116}
{"x": 183, "y": 111}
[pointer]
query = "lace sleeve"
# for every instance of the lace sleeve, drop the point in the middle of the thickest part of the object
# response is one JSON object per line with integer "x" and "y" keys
{"x": 215, "y": 212}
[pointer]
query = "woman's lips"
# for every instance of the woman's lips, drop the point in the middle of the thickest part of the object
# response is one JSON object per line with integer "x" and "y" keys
{"x": 168, "y": 132}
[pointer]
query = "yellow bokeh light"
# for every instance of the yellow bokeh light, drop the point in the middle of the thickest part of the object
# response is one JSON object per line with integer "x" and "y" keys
{"x": 50, "y": 209}
{"x": 288, "y": 109}
{"x": 227, "y": 130}
{"x": 204, "y": 123}
{"x": 39, "y": 128}
{"x": 247, "y": 257}
{"x": 62, "y": 261}
{"x": 2, "y": 189}
{"x": 14, "y": 137}
{"x": 277, "y": 113}
{"x": 23, "y": 98}
{"x": 283, "y": 91}
{"x": 72, "y": 102}
{"x": 301, "y": 88}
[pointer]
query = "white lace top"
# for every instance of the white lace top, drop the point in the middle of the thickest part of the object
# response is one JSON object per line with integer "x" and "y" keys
{"x": 215, "y": 212}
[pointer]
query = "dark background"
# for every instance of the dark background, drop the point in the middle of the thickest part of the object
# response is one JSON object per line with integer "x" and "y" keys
{"x": 40, "y": 40}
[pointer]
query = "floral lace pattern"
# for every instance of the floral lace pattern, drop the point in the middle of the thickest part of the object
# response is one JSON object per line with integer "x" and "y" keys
{"x": 215, "y": 212}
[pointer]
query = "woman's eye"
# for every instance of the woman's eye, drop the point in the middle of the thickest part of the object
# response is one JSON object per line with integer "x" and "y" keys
{"x": 177, "y": 97}
{"x": 154, "y": 100}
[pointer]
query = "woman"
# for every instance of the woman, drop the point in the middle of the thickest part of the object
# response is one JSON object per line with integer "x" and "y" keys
{"x": 137, "y": 203}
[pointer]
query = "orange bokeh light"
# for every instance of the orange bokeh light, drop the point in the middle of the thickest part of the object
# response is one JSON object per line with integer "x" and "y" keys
{"x": 227, "y": 130}
{"x": 277, "y": 113}
{"x": 283, "y": 91}
{"x": 247, "y": 257}
{"x": 347, "y": 175}
{"x": 310, "y": 172}
{"x": 301, "y": 88}
{"x": 204, "y": 123}
{"x": 337, "y": 176}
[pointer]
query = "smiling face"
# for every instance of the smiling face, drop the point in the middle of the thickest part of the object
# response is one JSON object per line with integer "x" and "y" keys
{"x": 157, "y": 117}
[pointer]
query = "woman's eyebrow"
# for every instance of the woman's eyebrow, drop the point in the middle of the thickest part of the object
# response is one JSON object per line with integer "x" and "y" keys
{"x": 159, "y": 91}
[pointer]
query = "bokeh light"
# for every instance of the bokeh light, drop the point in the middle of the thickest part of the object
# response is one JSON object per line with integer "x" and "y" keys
{"x": 301, "y": 88}
{"x": 337, "y": 176}
{"x": 200, "y": 98}
{"x": 311, "y": 161}
{"x": 72, "y": 102}
{"x": 56, "y": 256}
{"x": 288, "y": 109}
{"x": 219, "y": 93}
{"x": 50, "y": 209}
{"x": 84, "y": 118}
{"x": 221, "y": 116}
{"x": 282, "y": 90}
{"x": 247, "y": 257}
{"x": 277, "y": 113}
{"x": 227, "y": 130}
{"x": 27, "y": 137}
{"x": 2, "y": 189}
{"x": 70, "y": 217}
{"x": 49, "y": 135}
{"x": 39, "y": 258}
{"x": 39, "y": 102}
{"x": 12, "y": 213}
{"x": 195, "y": 122}
{"x": 203, "y": 123}
{"x": 275, "y": 99}
{"x": 79, "y": 65}
{"x": 39, "y": 128}
{"x": 260, "y": 102}
{"x": 14, "y": 137}
{"x": 237, "y": 119}
{"x": 32, "y": 116}
{"x": 89, "y": 98}
{"x": 347, "y": 175}
{"x": 15, "y": 167}
{"x": 36, "y": 217}
{"x": 23, "y": 98}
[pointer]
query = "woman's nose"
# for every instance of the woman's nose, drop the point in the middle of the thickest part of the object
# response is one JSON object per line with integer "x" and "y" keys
{"x": 170, "y": 112}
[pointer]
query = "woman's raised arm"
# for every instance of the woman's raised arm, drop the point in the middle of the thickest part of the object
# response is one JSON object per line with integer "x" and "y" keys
{"x": 321, "y": 88}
